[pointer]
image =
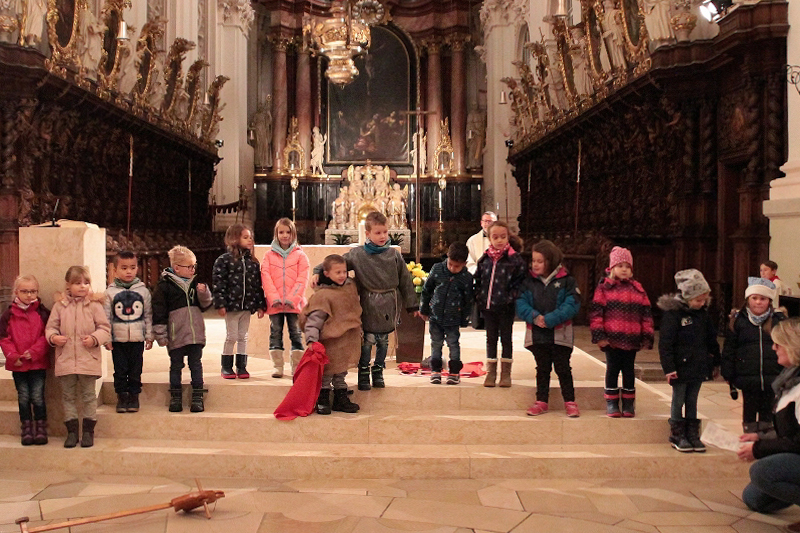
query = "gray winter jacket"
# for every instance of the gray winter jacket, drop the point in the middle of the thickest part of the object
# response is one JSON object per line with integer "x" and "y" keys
{"x": 178, "y": 311}
{"x": 130, "y": 312}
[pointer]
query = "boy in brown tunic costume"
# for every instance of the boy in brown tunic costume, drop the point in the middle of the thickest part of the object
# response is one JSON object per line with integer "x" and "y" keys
{"x": 333, "y": 317}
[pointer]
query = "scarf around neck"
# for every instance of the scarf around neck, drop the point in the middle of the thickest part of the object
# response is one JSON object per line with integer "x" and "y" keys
{"x": 125, "y": 285}
{"x": 284, "y": 252}
{"x": 373, "y": 248}
{"x": 21, "y": 305}
{"x": 496, "y": 254}
{"x": 787, "y": 379}
{"x": 758, "y": 320}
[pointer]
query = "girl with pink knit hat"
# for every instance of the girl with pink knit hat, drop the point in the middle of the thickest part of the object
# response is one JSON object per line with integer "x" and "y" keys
{"x": 622, "y": 324}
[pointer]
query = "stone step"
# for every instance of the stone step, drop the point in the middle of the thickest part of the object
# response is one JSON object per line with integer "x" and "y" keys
{"x": 370, "y": 461}
{"x": 431, "y": 427}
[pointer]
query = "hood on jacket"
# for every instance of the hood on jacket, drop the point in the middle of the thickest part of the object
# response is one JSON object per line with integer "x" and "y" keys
{"x": 64, "y": 298}
{"x": 674, "y": 302}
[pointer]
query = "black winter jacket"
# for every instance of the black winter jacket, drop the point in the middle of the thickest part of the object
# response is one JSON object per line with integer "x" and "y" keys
{"x": 503, "y": 279}
{"x": 447, "y": 297}
{"x": 688, "y": 340}
{"x": 785, "y": 419}
{"x": 748, "y": 360}
{"x": 237, "y": 283}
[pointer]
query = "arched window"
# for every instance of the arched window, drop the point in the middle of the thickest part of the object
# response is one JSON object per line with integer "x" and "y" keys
{"x": 523, "y": 54}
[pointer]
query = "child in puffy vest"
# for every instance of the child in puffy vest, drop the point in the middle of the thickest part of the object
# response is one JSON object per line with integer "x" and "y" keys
{"x": 550, "y": 300}
{"x": 236, "y": 282}
{"x": 78, "y": 327}
{"x": 25, "y": 347}
{"x": 689, "y": 354}
{"x": 622, "y": 324}
{"x": 748, "y": 361}
{"x": 284, "y": 276}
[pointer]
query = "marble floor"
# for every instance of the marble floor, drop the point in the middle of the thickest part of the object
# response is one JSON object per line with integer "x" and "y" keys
{"x": 658, "y": 505}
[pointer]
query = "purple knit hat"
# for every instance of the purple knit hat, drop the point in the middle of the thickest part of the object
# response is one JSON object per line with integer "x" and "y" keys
{"x": 619, "y": 255}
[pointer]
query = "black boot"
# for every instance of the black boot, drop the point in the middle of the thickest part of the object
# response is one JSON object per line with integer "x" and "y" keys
{"x": 241, "y": 364}
{"x": 628, "y": 403}
{"x": 693, "y": 435}
{"x": 176, "y": 400}
{"x": 377, "y": 377}
{"x": 133, "y": 402}
{"x": 324, "y": 402}
{"x": 363, "y": 378}
{"x": 197, "y": 400}
{"x": 612, "y": 403}
{"x": 227, "y": 367}
{"x": 40, "y": 435}
{"x": 72, "y": 433}
{"x": 677, "y": 436}
{"x": 342, "y": 403}
{"x": 27, "y": 433}
{"x": 87, "y": 439}
{"x": 122, "y": 402}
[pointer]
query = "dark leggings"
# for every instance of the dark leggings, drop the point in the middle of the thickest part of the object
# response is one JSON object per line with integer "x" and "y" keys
{"x": 620, "y": 361}
{"x": 757, "y": 405}
{"x": 499, "y": 323}
{"x": 553, "y": 356}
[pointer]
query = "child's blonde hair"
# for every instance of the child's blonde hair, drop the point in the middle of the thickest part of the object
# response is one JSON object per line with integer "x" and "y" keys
{"x": 77, "y": 273}
{"x": 289, "y": 224}
{"x": 180, "y": 253}
{"x": 232, "y": 237}
{"x": 26, "y": 278}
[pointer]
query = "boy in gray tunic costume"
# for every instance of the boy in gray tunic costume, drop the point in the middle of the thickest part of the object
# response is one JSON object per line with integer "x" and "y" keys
{"x": 384, "y": 283}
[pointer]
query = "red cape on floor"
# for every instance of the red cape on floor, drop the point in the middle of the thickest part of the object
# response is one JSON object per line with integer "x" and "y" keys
{"x": 470, "y": 370}
{"x": 302, "y": 397}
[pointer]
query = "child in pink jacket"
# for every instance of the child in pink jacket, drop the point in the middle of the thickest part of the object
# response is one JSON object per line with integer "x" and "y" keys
{"x": 284, "y": 276}
{"x": 25, "y": 347}
{"x": 78, "y": 327}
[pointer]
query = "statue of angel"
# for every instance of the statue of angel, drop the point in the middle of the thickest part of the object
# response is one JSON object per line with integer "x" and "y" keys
{"x": 340, "y": 209}
{"x": 90, "y": 42}
{"x": 318, "y": 152}
{"x": 613, "y": 35}
{"x": 34, "y": 22}
{"x": 397, "y": 207}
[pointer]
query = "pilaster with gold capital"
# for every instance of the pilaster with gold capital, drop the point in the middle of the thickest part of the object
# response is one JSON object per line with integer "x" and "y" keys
{"x": 280, "y": 96}
{"x": 458, "y": 99}
{"x": 433, "y": 94}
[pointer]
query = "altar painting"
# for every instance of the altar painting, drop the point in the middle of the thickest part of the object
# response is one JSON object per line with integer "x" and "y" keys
{"x": 365, "y": 118}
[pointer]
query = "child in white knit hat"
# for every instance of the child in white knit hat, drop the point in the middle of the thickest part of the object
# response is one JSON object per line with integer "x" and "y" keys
{"x": 748, "y": 361}
{"x": 689, "y": 354}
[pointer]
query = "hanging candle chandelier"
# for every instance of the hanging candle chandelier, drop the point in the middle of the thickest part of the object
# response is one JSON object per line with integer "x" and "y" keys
{"x": 343, "y": 36}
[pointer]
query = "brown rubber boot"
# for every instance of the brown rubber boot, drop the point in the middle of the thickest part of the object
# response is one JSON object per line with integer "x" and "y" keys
{"x": 505, "y": 373}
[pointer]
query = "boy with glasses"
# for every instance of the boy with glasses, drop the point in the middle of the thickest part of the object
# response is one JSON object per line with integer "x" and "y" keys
{"x": 178, "y": 305}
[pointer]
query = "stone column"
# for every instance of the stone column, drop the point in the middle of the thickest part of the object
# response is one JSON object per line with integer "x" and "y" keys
{"x": 303, "y": 101}
{"x": 230, "y": 57}
{"x": 185, "y": 22}
{"x": 433, "y": 96}
{"x": 280, "y": 99}
{"x": 458, "y": 102}
{"x": 783, "y": 206}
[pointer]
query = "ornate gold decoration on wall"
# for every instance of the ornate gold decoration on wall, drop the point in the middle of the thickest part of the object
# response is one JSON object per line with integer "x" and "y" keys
{"x": 563, "y": 43}
{"x": 443, "y": 155}
{"x": 293, "y": 153}
{"x": 173, "y": 74}
{"x": 636, "y": 36}
{"x": 146, "y": 54}
{"x": 193, "y": 92}
{"x": 110, "y": 57}
{"x": 62, "y": 30}
{"x": 212, "y": 115}
{"x": 591, "y": 13}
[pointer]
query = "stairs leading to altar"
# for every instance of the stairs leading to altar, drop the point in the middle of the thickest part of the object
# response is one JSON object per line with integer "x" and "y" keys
{"x": 411, "y": 429}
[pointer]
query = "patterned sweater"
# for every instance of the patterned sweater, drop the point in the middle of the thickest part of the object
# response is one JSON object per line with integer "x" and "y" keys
{"x": 621, "y": 314}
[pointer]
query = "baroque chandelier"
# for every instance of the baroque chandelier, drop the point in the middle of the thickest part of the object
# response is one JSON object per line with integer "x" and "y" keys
{"x": 343, "y": 36}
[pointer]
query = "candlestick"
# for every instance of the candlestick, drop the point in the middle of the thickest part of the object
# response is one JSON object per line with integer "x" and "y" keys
{"x": 440, "y": 198}
{"x": 293, "y": 199}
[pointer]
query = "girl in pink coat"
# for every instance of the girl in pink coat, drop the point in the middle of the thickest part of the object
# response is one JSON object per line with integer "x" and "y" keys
{"x": 284, "y": 276}
{"x": 27, "y": 356}
{"x": 78, "y": 327}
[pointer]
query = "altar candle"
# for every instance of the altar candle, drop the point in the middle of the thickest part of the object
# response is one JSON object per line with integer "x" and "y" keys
{"x": 440, "y": 198}
{"x": 362, "y": 232}
{"x": 293, "y": 199}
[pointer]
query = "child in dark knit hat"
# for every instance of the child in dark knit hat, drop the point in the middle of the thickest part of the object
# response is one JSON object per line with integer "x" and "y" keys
{"x": 748, "y": 361}
{"x": 689, "y": 354}
{"x": 621, "y": 324}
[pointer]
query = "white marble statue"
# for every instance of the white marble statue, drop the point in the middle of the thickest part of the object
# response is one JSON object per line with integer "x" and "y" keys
{"x": 90, "y": 42}
{"x": 397, "y": 207}
{"x": 35, "y": 22}
{"x": 127, "y": 75}
{"x": 580, "y": 67}
{"x": 613, "y": 35}
{"x": 8, "y": 21}
{"x": 656, "y": 18}
{"x": 262, "y": 130}
{"x": 318, "y": 151}
{"x": 158, "y": 86}
{"x": 341, "y": 210}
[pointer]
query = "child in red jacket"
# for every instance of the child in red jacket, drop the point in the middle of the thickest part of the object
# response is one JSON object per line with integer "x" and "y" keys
{"x": 621, "y": 324}
{"x": 25, "y": 347}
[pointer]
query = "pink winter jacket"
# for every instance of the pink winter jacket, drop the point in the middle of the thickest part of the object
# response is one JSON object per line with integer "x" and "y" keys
{"x": 76, "y": 319}
{"x": 285, "y": 279}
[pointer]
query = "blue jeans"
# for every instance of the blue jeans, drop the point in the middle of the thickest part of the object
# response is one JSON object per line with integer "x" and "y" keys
{"x": 276, "y": 331}
{"x": 30, "y": 391}
{"x": 774, "y": 483}
{"x": 685, "y": 393}
{"x": 370, "y": 340}
{"x": 438, "y": 336}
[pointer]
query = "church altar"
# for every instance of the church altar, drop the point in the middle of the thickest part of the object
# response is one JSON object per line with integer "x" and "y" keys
{"x": 369, "y": 188}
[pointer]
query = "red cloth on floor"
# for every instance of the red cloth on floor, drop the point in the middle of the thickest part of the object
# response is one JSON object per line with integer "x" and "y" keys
{"x": 302, "y": 396}
{"x": 469, "y": 370}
